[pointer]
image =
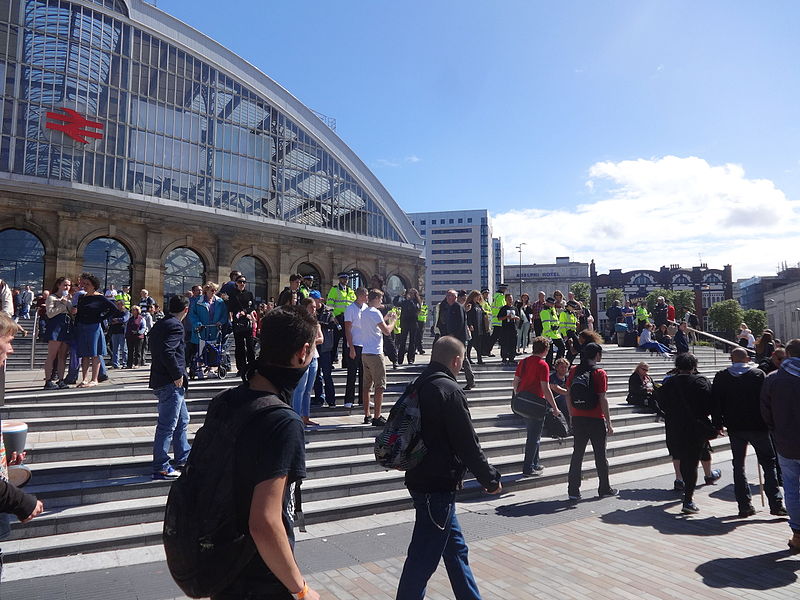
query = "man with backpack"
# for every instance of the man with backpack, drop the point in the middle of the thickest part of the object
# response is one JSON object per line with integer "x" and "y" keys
{"x": 228, "y": 526}
{"x": 591, "y": 420}
{"x": 452, "y": 448}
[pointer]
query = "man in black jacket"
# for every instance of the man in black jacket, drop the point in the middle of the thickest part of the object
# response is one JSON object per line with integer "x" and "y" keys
{"x": 452, "y": 449}
{"x": 168, "y": 382}
{"x": 241, "y": 305}
{"x": 779, "y": 407}
{"x": 736, "y": 394}
{"x": 453, "y": 322}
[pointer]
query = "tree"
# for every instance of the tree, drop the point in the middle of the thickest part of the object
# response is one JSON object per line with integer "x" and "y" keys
{"x": 726, "y": 316}
{"x": 756, "y": 321}
{"x": 682, "y": 300}
{"x": 581, "y": 291}
{"x": 614, "y": 294}
{"x": 652, "y": 297}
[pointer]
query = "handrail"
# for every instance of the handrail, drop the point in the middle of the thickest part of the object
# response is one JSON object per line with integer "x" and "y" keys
{"x": 34, "y": 336}
{"x": 716, "y": 338}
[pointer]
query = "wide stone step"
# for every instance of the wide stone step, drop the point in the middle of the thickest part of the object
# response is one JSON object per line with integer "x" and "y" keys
{"x": 63, "y": 542}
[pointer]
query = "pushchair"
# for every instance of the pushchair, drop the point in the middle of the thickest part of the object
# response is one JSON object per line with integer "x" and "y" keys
{"x": 211, "y": 354}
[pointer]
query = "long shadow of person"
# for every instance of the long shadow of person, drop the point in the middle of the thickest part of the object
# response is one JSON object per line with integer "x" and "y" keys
{"x": 659, "y": 518}
{"x": 761, "y": 572}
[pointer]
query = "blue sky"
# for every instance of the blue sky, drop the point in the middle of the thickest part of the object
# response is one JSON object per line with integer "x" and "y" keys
{"x": 584, "y": 113}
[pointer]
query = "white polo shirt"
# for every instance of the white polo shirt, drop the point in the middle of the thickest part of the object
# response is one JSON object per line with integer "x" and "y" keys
{"x": 353, "y": 314}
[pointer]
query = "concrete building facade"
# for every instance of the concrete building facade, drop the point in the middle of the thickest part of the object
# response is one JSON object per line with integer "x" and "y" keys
{"x": 547, "y": 277}
{"x": 136, "y": 147}
{"x": 459, "y": 250}
{"x": 783, "y": 311}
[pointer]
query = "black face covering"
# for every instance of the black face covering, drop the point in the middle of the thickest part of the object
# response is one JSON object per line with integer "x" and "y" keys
{"x": 283, "y": 378}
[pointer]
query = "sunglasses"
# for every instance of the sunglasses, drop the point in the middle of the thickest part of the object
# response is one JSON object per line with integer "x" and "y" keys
{"x": 241, "y": 281}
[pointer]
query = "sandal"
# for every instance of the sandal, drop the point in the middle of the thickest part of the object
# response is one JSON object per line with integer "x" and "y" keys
{"x": 82, "y": 384}
{"x": 91, "y": 384}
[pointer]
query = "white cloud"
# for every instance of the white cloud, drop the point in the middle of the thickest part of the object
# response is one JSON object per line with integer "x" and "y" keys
{"x": 396, "y": 162}
{"x": 662, "y": 211}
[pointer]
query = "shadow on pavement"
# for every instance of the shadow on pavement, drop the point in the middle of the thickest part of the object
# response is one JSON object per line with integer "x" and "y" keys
{"x": 674, "y": 523}
{"x": 760, "y": 572}
{"x": 650, "y": 495}
{"x": 534, "y": 508}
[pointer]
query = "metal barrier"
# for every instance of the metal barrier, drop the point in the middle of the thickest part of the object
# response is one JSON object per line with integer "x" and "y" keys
{"x": 717, "y": 339}
{"x": 35, "y": 336}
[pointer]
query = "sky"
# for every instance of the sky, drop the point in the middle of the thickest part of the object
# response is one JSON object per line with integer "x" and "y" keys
{"x": 637, "y": 134}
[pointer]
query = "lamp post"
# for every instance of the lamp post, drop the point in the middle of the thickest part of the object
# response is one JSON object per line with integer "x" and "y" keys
{"x": 519, "y": 249}
{"x": 105, "y": 276}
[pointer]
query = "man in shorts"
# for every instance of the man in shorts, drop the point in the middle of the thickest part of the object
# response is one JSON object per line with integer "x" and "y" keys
{"x": 372, "y": 329}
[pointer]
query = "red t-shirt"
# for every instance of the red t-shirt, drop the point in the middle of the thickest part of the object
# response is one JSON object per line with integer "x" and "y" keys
{"x": 600, "y": 383}
{"x": 532, "y": 372}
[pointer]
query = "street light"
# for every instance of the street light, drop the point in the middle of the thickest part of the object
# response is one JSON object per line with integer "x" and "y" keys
{"x": 519, "y": 249}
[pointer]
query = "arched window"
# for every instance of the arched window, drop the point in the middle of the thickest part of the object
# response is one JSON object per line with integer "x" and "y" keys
{"x": 109, "y": 260}
{"x": 712, "y": 278}
{"x": 358, "y": 279}
{"x": 395, "y": 286}
{"x": 182, "y": 269}
{"x": 642, "y": 280}
{"x": 21, "y": 259}
{"x": 256, "y": 273}
{"x": 681, "y": 280}
{"x": 309, "y": 269}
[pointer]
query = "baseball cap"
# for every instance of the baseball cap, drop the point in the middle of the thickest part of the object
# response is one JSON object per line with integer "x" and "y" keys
{"x": 314, "y": 294}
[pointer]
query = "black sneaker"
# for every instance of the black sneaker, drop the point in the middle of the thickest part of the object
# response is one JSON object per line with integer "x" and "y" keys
{"x": 468, "y": 387}
{"x": 379, "y": 422}
{"x": 62, "y": 385}
{"x": 715, "y": 476}
{"x": 779, "y": 511}
{"x": 367, "y": 420}
{"x": 574, "y": 497}
{"x": 678, "y": 486}
{"x": 51, "y": 385}
{"x": 101, "y": 378}
{"x": 690, "y": 508}
{"x": 609, "y": 493}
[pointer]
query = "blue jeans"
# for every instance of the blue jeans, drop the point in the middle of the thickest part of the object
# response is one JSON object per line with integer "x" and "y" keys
{"x": 532, "y": 443}
{"x": 790, "y": 468}
{"x": 301, "y": 397}
{"x": 437, "y": 535}
{"x": 173, "y": 424}
{"x": 324, "y": 391}
{"x": 119, "y": 350}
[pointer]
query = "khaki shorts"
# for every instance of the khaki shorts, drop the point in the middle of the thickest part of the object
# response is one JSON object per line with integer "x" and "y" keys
{"x": 374, "y": 371}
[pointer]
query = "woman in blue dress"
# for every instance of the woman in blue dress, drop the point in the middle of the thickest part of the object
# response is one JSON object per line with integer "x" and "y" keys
{"x": 93, "y": 309}
{"x": 58, "y": 333}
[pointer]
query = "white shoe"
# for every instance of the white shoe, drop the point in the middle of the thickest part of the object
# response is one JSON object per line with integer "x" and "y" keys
{"x": 348, "y": 405}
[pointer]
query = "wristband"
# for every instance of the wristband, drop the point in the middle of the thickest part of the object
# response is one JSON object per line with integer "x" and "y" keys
{"x": 302, "y": 593}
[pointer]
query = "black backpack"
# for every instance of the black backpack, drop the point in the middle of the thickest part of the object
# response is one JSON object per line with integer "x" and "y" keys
{"x": 581, "y": 391}
{"x": 205, "y": 547}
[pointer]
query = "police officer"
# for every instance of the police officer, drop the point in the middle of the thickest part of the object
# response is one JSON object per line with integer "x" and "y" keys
{"x": 498, "y": 302}
{"x": 422, "y": 318}
{"x": 551, "y": 329}
{"x": 340, "y": 297}
{"x": 568, "y": 327}
{"x": 306, "y": 287}
{"x": 124, "y": 296}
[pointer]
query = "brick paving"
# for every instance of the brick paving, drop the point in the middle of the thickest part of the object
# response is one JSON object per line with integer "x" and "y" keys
{"x": 633, "y": 547}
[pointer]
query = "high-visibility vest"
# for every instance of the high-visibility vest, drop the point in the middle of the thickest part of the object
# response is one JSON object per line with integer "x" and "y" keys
{"x": 550, "y": 323}
{"x": 423, "y": 313}
{"x": 642, "y": 314}
{"x": 303, "y": 292}
{"x": 126, "y": 299}
{"x": 395, "y": 311}
{"x": 567, "y": 322}
{"x": 498, "y": 302}
{"x": 339, "y": 299}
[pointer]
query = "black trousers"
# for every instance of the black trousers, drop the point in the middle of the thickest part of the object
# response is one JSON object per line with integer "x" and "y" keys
{"x": 508, "y": 342}
{"x": 135, "y": 351}
{"x": 355, "y": 372}
{"x": 245, "y": 350}
{"x": 589, "y": 429}
{"x": 407, "y": 342}
{"x": 420, "y": 334}
{"x": 556, "y": 344}
{"x": 389, "y": 349}
{"x": 338, "y": 336}
{"x": 538, "y": 328}
{"x": 762, "y": 444}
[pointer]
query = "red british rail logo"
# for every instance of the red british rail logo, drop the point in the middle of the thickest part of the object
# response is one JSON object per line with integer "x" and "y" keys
{"x": 74, "y": 124}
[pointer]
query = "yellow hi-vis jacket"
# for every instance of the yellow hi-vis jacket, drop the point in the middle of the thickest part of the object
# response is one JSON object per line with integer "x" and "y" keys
{"x": 498, "y": 302}
{"x": 567, "y": 322}
{"x": 339, "y": 299}
{"x": 550, "y": 323}
{"x": 423, "y": 313}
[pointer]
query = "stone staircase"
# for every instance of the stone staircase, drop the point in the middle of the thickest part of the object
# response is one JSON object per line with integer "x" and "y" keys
{"x": 90, "y": 451}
